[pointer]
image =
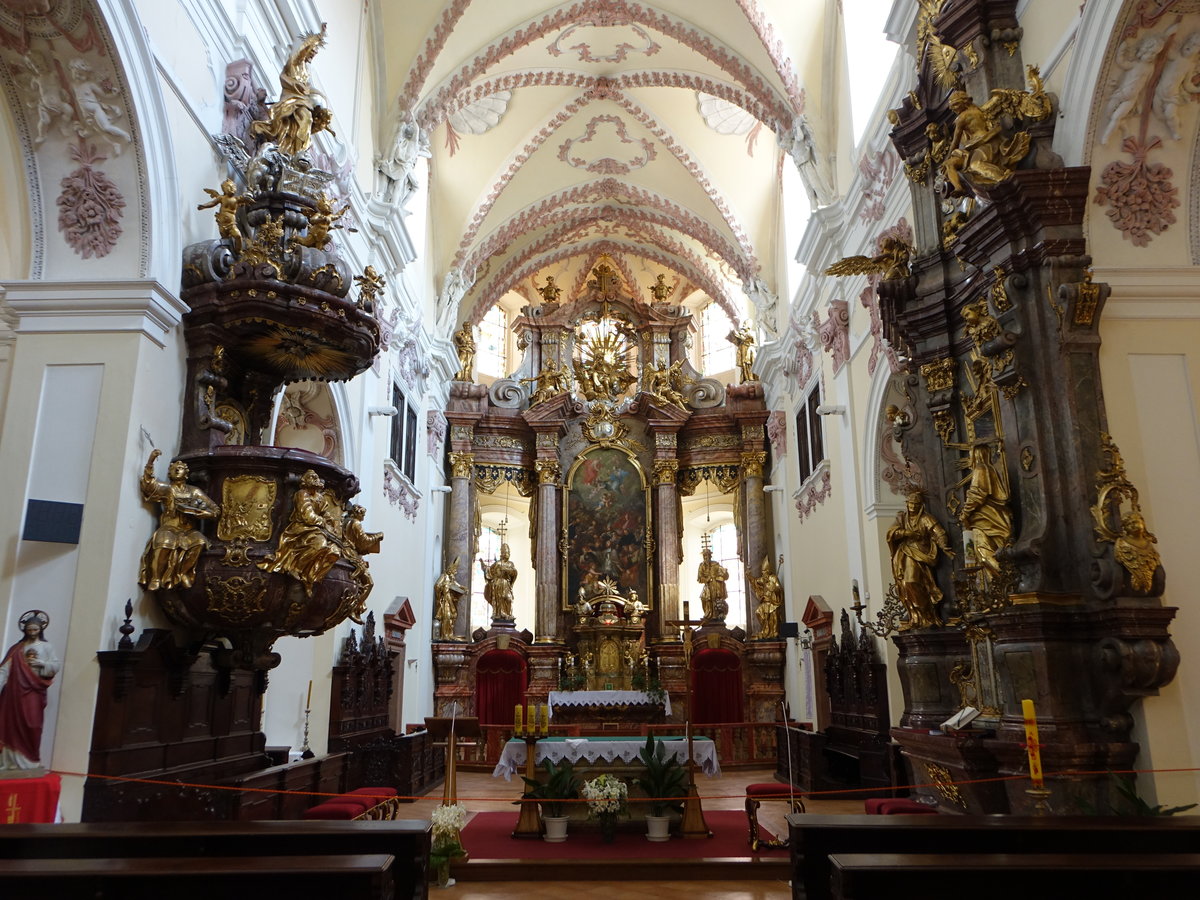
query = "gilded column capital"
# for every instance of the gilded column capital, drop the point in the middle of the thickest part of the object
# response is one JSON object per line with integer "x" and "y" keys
{"x": 462, "y": 465}
{"x": 665, "y": 471}
{"x": 938, "y": 375}
{"x": 753, "y": 462}
{"x": 548, "y": 471}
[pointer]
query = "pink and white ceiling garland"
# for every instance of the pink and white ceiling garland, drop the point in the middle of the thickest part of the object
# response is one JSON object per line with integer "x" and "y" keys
{"x": 644, "y": 207}
{"x": 613, "y": 12}
{"x": 647, "y": 122}
{"x": 621, "y": 51}
{"x": 775, "y": 116}
{"x": 605, "y": 165}
{"x": 782, "y": 62}
{"x": 434, "y": 45}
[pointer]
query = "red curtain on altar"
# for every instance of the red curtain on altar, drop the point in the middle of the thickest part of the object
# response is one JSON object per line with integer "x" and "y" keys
{"x": 499, "y": 686}
{"x": 717, "y": 686}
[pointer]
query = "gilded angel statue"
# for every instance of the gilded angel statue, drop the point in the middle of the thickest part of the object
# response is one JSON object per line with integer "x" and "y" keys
{"x": 891, "y": 263}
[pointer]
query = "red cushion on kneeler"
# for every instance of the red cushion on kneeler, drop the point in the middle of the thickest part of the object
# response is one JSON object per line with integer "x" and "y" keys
{"x": 872, "y": 805}
{"x": 373, "y": 793}
{"x": 769, "y": 791}
{"x": 333, "y": 811}
{"x": 902, "y": 807}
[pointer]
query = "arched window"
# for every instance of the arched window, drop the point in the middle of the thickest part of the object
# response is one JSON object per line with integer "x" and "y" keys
{"x": 725, "y": 551}
{"x": 491, "y": 348}
{"x": 716, "y": 353}
{"x": 489, "y": 552}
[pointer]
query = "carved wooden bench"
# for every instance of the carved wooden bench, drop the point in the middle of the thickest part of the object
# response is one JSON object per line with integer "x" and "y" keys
{"x": 367, "y": 876}
{"x": 407, "y": 841}
{"x": 814, "y": 838}
{"x": 1002, "y": 876}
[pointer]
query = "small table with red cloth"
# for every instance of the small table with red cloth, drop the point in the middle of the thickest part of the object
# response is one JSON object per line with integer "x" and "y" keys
{"x": 29, "y": 800}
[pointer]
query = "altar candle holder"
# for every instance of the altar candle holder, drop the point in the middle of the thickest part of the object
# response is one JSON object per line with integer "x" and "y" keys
{"x": 529, "y": 823}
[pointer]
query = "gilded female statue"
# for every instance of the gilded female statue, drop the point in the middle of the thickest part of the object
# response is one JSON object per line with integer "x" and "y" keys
{"x": 173, "y": 551}
{"x": 312, "y": 541}
{"x": 914, "y": 541}
{"x": 770, "y": 601}
{"x": 26, "y": 673}
{"x": 743, "y": 340}
{"x": 446, "y": 591}
{"x": 299, "y": 112}
{"x": 498, "y": 581}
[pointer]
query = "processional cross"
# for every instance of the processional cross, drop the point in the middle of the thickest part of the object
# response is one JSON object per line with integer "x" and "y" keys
{"x": 693, "y": 824}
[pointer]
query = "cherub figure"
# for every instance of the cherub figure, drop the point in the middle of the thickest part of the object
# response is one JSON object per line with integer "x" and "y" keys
{"x": 321, "y": 223}
{"x": 370, "y": 287}
{"x": 227, "y": 202}
{"x": 96, "y": 114}
{"x": 660, "y": 290}
{"x": 1175, "y": 81}
{"x": 47, "y": 101}
{"x": 1134, "y": 549}
{"x": 550, "y": 291}
{"x": 1127, "y": 97}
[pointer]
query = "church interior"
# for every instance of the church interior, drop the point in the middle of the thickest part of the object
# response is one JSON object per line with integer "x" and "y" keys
{"x": 395, "y": 395}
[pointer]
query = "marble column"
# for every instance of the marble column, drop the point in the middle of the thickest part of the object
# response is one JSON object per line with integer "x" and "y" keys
{"x": 549, "y": 568}
{"x": 666, "y": 537}
{"x": 754, "y": 526}
{"x": 460, "y": 534}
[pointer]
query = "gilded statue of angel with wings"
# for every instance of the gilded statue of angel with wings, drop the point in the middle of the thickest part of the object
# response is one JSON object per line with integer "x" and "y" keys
{"x": 891, "y": 263}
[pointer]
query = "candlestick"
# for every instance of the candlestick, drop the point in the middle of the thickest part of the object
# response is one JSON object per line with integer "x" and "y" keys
{"x": 1031, "y": 744}
{"x": 517, "y": 721}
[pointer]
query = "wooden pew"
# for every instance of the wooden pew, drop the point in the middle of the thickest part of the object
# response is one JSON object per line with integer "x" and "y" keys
{"x": 365, "y": 876}
{"x": 815, "y": 837}
{"x": 1002, "y": 876}
{"x": 407, "y": 841}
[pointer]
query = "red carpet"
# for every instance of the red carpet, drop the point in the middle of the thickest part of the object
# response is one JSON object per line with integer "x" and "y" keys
{"x": 489, "y": 836}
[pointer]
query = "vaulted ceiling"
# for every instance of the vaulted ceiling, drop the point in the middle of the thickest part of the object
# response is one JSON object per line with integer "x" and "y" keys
{"x": 655, "y": 133}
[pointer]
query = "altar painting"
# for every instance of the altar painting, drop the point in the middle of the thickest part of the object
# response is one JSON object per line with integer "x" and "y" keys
{"x": 606, "y": 514}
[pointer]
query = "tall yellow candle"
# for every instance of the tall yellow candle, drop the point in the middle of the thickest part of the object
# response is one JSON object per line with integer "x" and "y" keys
{"x": 308, "y": 702}
{"x": 517, "y": 723}
{"x": 1031, "y": 744}
{"x": 531, "y": 717}
{"x": 544, "y": 714}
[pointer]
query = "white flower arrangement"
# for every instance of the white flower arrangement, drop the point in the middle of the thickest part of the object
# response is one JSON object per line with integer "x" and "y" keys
{"x": 605, "y": 794}
{"x": 449, "y": 819}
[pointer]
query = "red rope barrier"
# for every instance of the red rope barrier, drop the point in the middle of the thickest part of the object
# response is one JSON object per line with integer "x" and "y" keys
{"x": 784, "y": 790}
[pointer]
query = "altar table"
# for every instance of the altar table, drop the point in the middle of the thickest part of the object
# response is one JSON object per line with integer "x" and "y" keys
{"x": 607, "y": 749}
{"x": 601, "y": 699}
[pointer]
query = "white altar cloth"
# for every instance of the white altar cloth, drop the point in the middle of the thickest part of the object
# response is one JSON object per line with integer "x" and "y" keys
{"x": 595, "y": 749}
{"x": 603, "y": 698}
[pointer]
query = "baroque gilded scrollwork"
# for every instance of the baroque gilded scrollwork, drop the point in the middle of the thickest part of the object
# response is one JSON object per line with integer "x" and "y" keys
{"x": 891, "y": 262}
{"x": 548, "y": 471}
{"x": 236, "y": 599}
{"x": 462, "y": 465}
{"x": 489, "y": 476}
{"x": 665, "y": 471}
{"x": 725, "y": 476}
{"x": 753, "y": 462}
{"x": 1133, "y": 544}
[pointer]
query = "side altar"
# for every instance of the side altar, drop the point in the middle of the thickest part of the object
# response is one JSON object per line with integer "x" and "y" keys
{"x": 595, "y": 440}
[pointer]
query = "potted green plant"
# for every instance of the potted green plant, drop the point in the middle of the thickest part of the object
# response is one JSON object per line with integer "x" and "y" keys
{"x": 663, "y": 781}
{"x": 561, "y": 784}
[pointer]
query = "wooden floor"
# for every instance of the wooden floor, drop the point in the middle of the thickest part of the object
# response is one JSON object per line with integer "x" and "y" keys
{"x": 481, "y": 792}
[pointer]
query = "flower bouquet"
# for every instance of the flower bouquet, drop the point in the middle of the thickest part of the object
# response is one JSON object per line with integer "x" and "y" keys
{"x": 448, "y": 822}
{"x": 606, "y": 796}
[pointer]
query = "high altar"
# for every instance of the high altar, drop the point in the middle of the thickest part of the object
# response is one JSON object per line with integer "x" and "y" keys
{"x": 605, "y": 427}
